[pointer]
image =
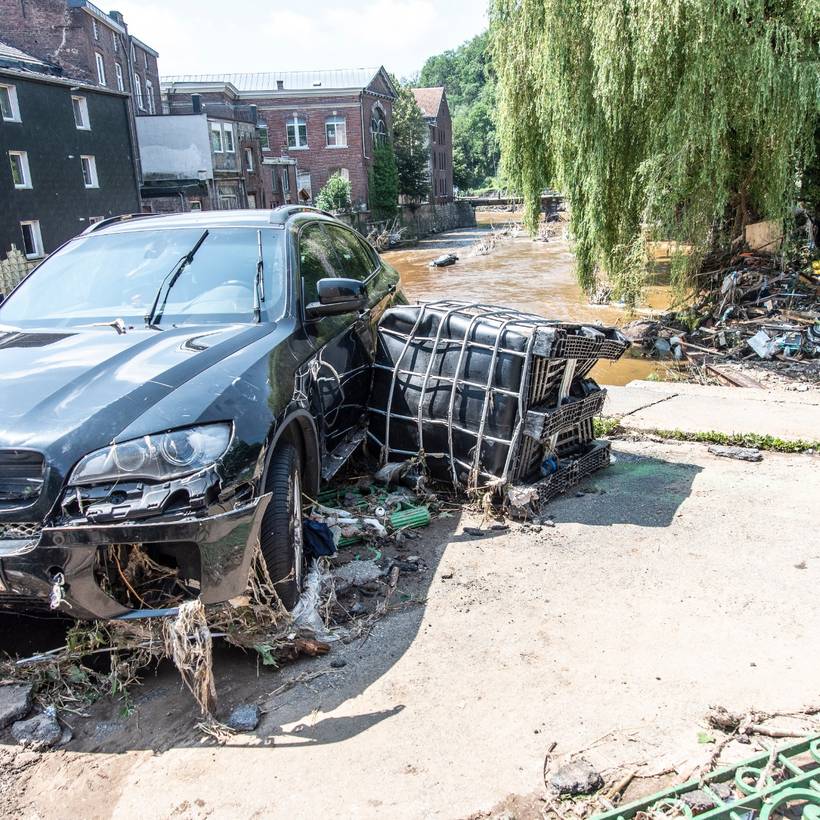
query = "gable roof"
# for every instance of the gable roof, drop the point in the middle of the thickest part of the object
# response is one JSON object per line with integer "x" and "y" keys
{"x": 429, "y": 100}
{"x": 302, "y": 81}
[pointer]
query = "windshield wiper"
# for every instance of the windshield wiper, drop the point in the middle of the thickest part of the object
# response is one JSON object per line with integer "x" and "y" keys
{"x": 259, "y": 282}
{"x": 154, "y": 315}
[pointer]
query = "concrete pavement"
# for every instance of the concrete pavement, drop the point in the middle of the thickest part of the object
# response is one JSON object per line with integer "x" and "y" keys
{"x": 645, "y": 406}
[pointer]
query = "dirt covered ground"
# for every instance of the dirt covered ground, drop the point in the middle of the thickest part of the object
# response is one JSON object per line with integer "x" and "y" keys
{"x": 673, "y": 581}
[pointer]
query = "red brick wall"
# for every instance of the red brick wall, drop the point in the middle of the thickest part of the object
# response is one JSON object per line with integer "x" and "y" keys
{"x": 319, "y": 159}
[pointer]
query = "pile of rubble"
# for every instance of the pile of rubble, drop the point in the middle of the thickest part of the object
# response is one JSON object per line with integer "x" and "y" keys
{"x": 755, "y": 307}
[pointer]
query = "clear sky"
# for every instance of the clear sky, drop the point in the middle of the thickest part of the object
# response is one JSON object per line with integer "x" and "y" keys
{"x": 220, "y": 36}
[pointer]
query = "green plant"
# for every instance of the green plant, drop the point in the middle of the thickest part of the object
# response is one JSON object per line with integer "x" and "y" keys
{"x": 410, "y": 133}
{"x": 662, "y": 119}
{"x": 384, "y": 182}
{"x": 335, "y": 196}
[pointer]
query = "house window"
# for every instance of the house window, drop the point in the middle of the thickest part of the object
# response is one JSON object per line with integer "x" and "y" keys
{"x": 336, "y": 132}
{"x": 216, "y": 138}
{"x": 118, "y": 72}
{"x": 95, "y": 29}
{"x": 378, "y": 126}
{"x": 94, "y": 219}
{"x": 252, "y": 201}
{"x": 196, "y": 205}
{"x": 89, "y": 165}
{"x": 8, "y": 103}
{"x": 442, "y": 137}
{"x": 285, "y": 182}
{"x": 32, "y": 239}
{"x": 145, "y": 59}
{"x": 264, "y": 143}
{"x": 227, "y": 136}
{"x": 116, "y": 42}
{"x": 80, "y": 107}
{"x": 20, "y": 174}
{"x": 133, "y": 55}
{"x": 138, "y": 92}
{"x": 100, "y": 67}
{"x": 297, "y": 132}
{"x": 249, "y": 159}
{"x": 149, "y": 93}
{"x": 344, "y": 173}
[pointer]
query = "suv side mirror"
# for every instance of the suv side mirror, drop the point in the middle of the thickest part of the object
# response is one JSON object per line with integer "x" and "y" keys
{"x": 337, "y": 297}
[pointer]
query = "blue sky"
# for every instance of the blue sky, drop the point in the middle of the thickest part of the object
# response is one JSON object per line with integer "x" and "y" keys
{"x": 210, "y": 36}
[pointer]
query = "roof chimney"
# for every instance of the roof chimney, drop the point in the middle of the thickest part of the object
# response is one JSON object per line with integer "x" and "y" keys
{"x": 254, "y": 116}
{"x": 280, "y": 85}
{"x": 117, "y": 17}
{"x": 196, "y": 103}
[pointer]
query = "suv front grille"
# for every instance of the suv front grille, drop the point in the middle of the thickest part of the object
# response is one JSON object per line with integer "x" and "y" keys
{"x": 18, "y": 537}
{"x": 21, "y": 476}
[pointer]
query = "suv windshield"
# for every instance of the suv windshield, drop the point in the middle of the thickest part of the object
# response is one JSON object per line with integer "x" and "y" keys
{"x": 100, "y": 278}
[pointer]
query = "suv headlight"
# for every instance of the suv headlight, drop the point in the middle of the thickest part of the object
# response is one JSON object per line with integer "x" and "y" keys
{"x": 155, "y": 458}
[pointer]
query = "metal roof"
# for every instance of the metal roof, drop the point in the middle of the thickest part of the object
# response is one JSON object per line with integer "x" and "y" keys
{"x": 343, "y": 78}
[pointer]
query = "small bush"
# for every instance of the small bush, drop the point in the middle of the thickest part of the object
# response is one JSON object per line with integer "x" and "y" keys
{"x": 335, "y": 196}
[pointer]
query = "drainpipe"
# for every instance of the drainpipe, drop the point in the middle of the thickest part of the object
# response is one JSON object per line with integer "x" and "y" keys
{"x": 132, "y": 116}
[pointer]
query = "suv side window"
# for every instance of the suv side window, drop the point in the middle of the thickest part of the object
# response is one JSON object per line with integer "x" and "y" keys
{"x": 317, "y": 260}
{"x": 354, "y": 260}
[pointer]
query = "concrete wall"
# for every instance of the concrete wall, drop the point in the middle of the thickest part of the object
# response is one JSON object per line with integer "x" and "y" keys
{"x": 423, "y": 220}
{"x": 174, "y": 147}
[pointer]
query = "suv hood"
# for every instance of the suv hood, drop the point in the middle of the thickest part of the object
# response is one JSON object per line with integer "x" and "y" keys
{"x": 68, "y": 391}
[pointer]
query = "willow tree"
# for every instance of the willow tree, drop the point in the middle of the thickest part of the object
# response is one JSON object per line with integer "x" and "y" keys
{"x": 673, "y": 119}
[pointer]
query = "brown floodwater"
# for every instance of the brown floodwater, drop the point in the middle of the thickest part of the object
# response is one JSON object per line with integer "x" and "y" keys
{"x": 537, "y": 277}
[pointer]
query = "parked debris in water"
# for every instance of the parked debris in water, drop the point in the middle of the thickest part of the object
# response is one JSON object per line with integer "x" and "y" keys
{"x": 491, "y": 239}
{"x": 444, "y": 261}
{"x": 489, "y": 396}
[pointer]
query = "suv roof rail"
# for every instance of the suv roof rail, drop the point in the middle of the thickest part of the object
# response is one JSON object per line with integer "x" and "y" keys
{"x": 289, "y": 210}
{"x": 104, "y": 223}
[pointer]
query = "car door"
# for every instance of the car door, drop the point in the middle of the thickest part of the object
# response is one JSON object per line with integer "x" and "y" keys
{"x": 343, "y": 345}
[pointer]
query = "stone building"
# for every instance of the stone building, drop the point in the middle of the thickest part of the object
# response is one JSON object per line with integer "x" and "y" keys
{"x": 325, "y": 121}
{"x": 66, "y": 154}
{"x": 436, "y": 111}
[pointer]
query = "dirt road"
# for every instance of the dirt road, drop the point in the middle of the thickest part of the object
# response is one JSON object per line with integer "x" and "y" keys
{"x": 676, "y": 581}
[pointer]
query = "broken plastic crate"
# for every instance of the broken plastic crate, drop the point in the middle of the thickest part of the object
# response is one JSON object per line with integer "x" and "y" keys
{"x": 488, "y": 395}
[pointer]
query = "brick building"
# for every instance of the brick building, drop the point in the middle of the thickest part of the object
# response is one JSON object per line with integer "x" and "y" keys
{"x": 327, "y": 121}
{"x": 87, "y": 44}
{"x": 66, "y": 155}
{"x": 436, "y": 111}
{"x": 206, "y": 153}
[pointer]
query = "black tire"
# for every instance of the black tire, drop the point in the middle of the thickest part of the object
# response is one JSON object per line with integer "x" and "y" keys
{"x": 281, "y": 536}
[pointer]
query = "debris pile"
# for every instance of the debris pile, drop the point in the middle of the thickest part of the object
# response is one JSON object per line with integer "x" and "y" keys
{"x": 490, "y": 397}
{"x": 490, "y": 240}
{"x": 752, "y": 307}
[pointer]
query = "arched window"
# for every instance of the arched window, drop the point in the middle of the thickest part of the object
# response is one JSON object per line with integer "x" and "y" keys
{"x": 336, "y": 132}
{"x": 378, "y": 126}
{"x": 297, "y": 132}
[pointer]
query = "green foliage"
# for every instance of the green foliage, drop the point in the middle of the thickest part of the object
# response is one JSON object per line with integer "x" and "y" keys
{"x": 671, "y": 119}
{"x": 384, "y": 182}
{"x": 410, "y": 131}
{"x": 335, "y": 196}
{"x": 466, "y": 74}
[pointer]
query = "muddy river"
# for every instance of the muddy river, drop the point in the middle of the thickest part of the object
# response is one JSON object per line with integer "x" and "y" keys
{"x": 532, "y": 276}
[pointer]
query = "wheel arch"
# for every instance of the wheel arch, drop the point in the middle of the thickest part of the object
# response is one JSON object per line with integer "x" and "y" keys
{"x": 299, "y": 428}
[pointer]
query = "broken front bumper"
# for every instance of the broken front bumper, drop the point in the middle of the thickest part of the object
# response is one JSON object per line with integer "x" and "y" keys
{"x": 225, "y": 542}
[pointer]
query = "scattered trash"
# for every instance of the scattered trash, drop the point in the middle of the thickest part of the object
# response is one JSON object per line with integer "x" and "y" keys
{"x": 319, "y": 540}
{"x": 739, "y": 453}
{"x": 244, "y": 718}
{"x": 576, "y": 778}
{"x": 357, "y": 574}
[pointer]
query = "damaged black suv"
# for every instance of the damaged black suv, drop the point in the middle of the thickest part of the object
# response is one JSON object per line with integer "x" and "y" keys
{"x": 171, "y": 387}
